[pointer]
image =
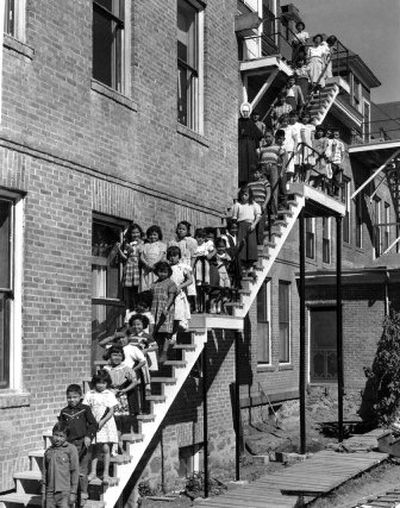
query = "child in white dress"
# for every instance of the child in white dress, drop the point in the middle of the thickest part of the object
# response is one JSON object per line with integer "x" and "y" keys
{"x": 182, "y": 276}
{"x": 102, "y": 402}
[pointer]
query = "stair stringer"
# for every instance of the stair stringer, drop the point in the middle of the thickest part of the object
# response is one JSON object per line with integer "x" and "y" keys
{"x": 320, "y": 116}
{"x": 136, "y": 450}
{"x": 247, "y": 299}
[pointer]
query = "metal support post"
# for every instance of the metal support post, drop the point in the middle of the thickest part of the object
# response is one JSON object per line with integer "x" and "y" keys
{"x": 339, "y": 325}
{"x": 237, "y": 409}
{"x": 205, "y": 422}
{"x": 302, "y": 369}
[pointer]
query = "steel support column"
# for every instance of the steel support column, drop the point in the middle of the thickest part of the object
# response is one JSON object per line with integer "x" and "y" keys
{"x": 205, "y": 421}
{"x": 339, "y": 326}
{"x": 302, "y": 369}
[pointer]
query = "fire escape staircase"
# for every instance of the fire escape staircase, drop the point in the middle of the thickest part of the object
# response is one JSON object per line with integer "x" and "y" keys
{"x": 321, "y": 102}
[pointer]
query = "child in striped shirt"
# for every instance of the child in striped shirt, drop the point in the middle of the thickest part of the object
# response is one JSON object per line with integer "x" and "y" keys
{"x": 261, "y": 189}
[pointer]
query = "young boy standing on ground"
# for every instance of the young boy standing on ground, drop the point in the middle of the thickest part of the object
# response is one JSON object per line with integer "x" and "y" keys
{"x": 60, "y": 471}
{"x": 81, "y": 425}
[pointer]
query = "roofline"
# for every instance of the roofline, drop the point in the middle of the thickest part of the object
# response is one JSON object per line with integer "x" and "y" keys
{"x": 370, "y": 78}
{"x": 378, "y": 145}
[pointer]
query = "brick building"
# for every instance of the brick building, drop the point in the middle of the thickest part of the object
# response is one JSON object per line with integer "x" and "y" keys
{"x": 121, "y": 111}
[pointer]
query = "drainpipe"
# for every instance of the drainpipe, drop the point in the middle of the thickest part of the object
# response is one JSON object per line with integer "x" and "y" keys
{"x": 386, "y": 290}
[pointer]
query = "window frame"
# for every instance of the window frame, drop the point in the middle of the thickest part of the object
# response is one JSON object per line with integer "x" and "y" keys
{"x": 196, "y": 124}
{"x": 265, "y": 291}
{"x": 326, "y": 240}
{"x": 386, "y": 233}
{"x": 124, "y": 57}
{"x": 359, "y": 237}
{"x": 14, "y": 381}
{"x": 346, "y": 233}
{"x": 377, "y": 236}
{"x": 288, "y": 323}
{"x": 310, "y": 237}
{"x": 18, "y": 7}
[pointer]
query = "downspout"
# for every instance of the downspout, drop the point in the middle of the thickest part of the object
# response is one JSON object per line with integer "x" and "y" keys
{"x": 386, "y": 293}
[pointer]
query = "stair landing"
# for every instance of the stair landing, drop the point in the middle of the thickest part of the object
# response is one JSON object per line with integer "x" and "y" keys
{"x": 317, "y": 203}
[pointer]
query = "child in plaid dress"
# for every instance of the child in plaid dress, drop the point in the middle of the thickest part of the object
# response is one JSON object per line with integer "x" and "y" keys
{"x": 164, "y": 291}
{"x": 129, "y": 253}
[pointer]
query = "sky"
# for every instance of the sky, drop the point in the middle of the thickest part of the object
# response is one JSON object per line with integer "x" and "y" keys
{"x": 370, "y": 28}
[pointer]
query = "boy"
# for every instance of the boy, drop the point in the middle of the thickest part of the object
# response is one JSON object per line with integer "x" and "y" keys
{"x": 271, "y": 155}
{"x": 81, "y": 425}
{"x": 60, "y": 471}
{"x": 336, "y": 152}
{"x": 261, "y": 194}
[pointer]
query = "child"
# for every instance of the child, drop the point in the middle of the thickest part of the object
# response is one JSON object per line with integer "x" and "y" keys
{"x": 164, "y": 291}
{"x": 294, "y": 94}
{"x": 303, "y": 77}
{"x": 60, "y": 473}
{"x": 230, "y": 238}
{"x": 261, "y": 190}
{"x": 281, "y": 108}
{"x": 219, "y": 276}
{"x": 151, "y": 253}
{"x": 142, "y": 307}
{"x": 320, "y": 145}
{"x": 188, "y": 246}
{"x": 307, "y": 156}
{"x": 247, "y": 213}
{"x": 182, "y": 276}
{"x": 81, "y": 426}
{"x": 289, "y": 145}
{"x": 123, "y": 379}
{"x": 201, "y": 266}
{"x": 259, "y": 123}
{"x": 336, "y": 152}
{"x": 102, "y": 402}
{"x": 140, "y": 337}
{"x": 129, "y": 253}
{"x": 300, "y": 40}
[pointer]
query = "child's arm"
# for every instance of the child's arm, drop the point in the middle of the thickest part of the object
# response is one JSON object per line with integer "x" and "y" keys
{"x": 188, "y": 280}
{"x": 103, "y": 343}
{"x": 91, "y": 427}
{"x": 130, "y": 376}
{"x": 171, "y": 298}
{"x": 143, "y": 261}
{"x": 109, "y": 414}
{"x": 267, "y": 196}
{"x": 257, "y": 216}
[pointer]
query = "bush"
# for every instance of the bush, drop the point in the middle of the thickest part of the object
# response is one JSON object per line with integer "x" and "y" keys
{"x": 384, "y": 375}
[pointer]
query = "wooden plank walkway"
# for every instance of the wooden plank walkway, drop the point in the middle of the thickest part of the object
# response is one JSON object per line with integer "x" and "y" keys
{"x": 323, "y": 472}
{"x": 389, "y": 500}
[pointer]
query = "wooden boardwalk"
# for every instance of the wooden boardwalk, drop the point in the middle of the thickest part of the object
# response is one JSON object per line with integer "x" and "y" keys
{"x": 323, "y": 472}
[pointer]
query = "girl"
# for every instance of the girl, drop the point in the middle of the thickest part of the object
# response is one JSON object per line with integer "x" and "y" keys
{"x": 136, "y": 360}
{"x": 329, "y": 50}
{"x": 102, "y": 402}
{"x": 247, "y": 213}
{"x": 294, "y": 94}
{"x": 303, "y": 77}
{"x": 188, "y": 246}
{"x": 129, "y": 253}
{"x": 123, "y": 379}
{"x": 289, "y": 145}
{"x": 151, "y": 253}
{"x": 300, "y": 41}
{"x": 219, "y": 276}
{"x": 320, "y": 145}
{"x": 316, "y": 62}
{"x": 201, "y": 267}
{"x": 182, "y": 276}
{"x": 230, "y": 238}
{"x": 138, "y": 324}
{"x": 307, "y": 157}
{"x": 164, "y": 291}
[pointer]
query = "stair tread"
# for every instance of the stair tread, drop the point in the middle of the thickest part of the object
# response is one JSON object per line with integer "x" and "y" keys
{"x": 28, "y": 475}
{"x": 189, "y": 347}
{"x": 176, "y": 363}
{"x": 163, "y": 379}
{"x": 146, "y": 418}
{"x": 132, "y": 437}
{"x": 156, "y": 398}
{"x": 36, "y": 500}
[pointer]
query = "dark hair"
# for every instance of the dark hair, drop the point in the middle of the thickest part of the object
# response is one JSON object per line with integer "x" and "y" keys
{"x": 74, "y": 388}
{"x": 316, "y": 36}
{"x": 162, "y": 265}
{"x": 257, "y": 168}
{"x": 144, "y": 319}
{"x": 300, "y": 23}
{"x": 268, "y": 131}
{"x": 101, "y": 377}
{"x": 210, "y": 231}
{"x": 336, "y": 130}
{"x": 285, "y": 116}
{"x": 174, "y": 250}
{"x": 331, "y": 40}
{"x": 292, "y": 76}
{"x": 144, "y": 298}
{"x": 115, "y": 349}
{"x": 186, "y": 224}
{"x": 293, "y": 113}
{"x": 230, "y": 222}
{"x": 244, "y": 189}
{"x": 319, "y": 128}
{"x": 200, "y": 233}
{"x": 220, "y": 241}
{"x": 129, "y": 230}
{"x": 60, "y": 427}
{"x": 279, "y": 133}
{"x": 154, "y": 229}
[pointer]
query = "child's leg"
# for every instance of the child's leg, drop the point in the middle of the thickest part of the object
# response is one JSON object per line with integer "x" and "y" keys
{"x": 93, "y": 465}
{"x": 106, "y": 459}
{"x": 165, "y": 348}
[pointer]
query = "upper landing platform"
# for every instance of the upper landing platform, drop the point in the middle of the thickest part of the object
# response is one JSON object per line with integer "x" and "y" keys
{"x": 317, "y": 203}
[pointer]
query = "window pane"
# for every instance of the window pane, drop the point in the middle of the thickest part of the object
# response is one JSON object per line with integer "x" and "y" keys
{"x": 105, "y": 273}
{"x": 284, "y": 322}
{"x": 9, "y": 18}
{"x": 187, "y": 33}
{"x": 105, "y": 320}
{"x": 263, "y": 342}
{"x": 4, "y": 339}
{"x": 323, "y": 344}
{"x": 5, "y": 247}
{"x": 102, "y": 48}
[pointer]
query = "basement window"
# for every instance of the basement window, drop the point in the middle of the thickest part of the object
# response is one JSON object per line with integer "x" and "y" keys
{"x": 190, "y": 460}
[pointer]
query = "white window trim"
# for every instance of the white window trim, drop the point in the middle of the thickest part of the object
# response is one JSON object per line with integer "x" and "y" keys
{"x": 126, "y": 57}
{"x": 268, "y": 290}
{"x": 19, "y": 18}
{"x": 15, "y": 332}
{"x": 289, "y": 362}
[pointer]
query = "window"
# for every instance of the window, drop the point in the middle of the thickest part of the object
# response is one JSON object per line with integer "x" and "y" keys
{"x": 190, "y": 63}
{"x": 284, "y": 322}
{"x": 377, "y": 229}
{"x": 386, "y": 234}
{"x": 264, "y": 323}
{"x": 366, "y": 120}
{"x": 11, "y": 227}
{"x": 107, "y": 305}
{"x": 310, "y": 237}
{"x": 323, "y": 363}
{"x": 14, "y": 18}
{"x": 357, "y": 92}
{"x": 110, "y": 43}
{"x": 359, "y": 221}
{"x": 190, "y": 460}
{"x": 326, "y": 239}
{"x": 345, "y": 197}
